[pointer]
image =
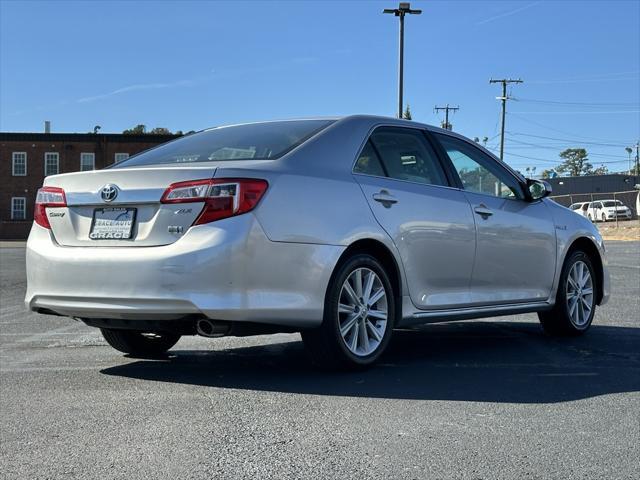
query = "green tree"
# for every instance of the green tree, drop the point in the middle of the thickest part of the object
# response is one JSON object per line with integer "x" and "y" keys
{"x": 137, "y": 130}
{"x": 576, "y": 162}
{"x": 160, "y": 131}
{"x": 601, "y": 170}
{"x": 548, "y": 173}
{"x": 407, "y": 113}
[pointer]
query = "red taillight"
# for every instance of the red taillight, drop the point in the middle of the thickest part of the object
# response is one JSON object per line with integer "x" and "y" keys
{"x": 222, "y": 197}
{"x": 47, "y": 197}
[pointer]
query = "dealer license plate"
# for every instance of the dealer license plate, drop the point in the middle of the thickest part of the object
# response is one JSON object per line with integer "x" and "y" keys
{"x": 115, "y": 223}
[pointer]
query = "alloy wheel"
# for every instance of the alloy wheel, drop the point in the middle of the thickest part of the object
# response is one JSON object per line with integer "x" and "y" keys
{"x": 580, "y": 298}
{"x": 362, "y": 312}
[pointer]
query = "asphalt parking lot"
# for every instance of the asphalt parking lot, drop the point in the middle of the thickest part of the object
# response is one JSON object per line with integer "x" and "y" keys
{"x": 477, "y": 400}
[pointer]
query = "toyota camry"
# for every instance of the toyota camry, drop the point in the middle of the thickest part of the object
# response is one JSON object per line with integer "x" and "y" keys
{"x": 342, "y": 229}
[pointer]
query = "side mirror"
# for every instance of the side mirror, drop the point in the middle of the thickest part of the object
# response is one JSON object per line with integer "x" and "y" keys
{"x": 538, "y": 189}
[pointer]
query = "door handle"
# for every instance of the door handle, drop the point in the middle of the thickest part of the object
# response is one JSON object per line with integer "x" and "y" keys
{"x": 385, "y": 198}
{"x": 483, "y": 211}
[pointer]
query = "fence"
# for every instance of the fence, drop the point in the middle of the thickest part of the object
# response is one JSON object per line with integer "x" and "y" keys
{"x": 629, "y": 198}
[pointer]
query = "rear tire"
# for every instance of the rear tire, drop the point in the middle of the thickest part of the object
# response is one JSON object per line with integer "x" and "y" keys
{"x": 604, "y": 218}
{"x": 575, "y": 304}
{"x": 139, "y": 344}
{"x": 359, "y": 316}
{"x": 589, "y": 217}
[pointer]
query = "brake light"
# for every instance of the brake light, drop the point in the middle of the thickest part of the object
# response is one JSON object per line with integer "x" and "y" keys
{"x": 222, "y": 197}
{"x": 45, "y": 198}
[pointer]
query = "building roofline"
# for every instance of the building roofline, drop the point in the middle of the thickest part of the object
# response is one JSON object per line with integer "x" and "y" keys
{"x": 83, "y": 137}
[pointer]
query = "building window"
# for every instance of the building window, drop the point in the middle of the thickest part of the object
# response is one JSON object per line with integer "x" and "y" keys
{"x": 18, "y": 208}
{"x": 87, "y": 161}
{"x": 120, "y": 157}
{"x": 51, "y": 163}
{"x": 19, "y": 165}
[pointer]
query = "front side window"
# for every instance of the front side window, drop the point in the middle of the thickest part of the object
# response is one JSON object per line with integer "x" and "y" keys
{"x": 478, "y": 172}
{"x": 19, "y": 164}
{"x": 254, "y": 141}
{"x": 51, "y": 163}
{"x": 87, "y": 161}
{"x": 403, "y": 154}
{"x": 18, "y": 208}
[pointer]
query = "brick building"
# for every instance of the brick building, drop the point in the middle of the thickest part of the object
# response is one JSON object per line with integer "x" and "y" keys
{"x": 26, "y": 158}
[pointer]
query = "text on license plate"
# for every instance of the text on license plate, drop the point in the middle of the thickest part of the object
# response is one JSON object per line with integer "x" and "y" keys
{"x": 114, "y": 223}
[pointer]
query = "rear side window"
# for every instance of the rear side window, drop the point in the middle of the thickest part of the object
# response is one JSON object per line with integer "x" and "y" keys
{"x": 255, "y": 141}
{"x": 403, "y": 154}
{"x": 368, "y": 162}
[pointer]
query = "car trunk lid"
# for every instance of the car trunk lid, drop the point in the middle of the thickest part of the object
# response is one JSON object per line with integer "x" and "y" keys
{"x": 121, "y": 207}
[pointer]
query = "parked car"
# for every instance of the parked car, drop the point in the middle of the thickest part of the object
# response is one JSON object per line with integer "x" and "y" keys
{"x": 580, "y": 208}
{"x": 341, "y": 229}
{"x": 604, "y": 210}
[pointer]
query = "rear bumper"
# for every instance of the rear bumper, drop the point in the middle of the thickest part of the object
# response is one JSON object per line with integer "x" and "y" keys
{"x": 227, "y": 270}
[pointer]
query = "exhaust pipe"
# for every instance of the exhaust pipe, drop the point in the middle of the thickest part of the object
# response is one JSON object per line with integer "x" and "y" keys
{"x": 210, "y": 329}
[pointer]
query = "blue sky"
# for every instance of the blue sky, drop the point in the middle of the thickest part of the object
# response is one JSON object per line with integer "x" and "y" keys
{"x": 189, "y": 65}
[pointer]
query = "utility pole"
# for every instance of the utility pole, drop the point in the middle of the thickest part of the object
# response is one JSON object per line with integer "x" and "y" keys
{"x": 637, "y": 145}
{"x": 403, "y": 9}
{"x": 503, "y": 98}
{"x": 446, "y": 125}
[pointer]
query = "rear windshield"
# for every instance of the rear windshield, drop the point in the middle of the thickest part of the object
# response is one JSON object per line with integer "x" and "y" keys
{"x": 255, "y": 141}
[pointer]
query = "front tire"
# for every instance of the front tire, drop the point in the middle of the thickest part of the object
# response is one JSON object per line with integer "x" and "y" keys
{"x": 575, "y": 304}
{"x": 604, "y": 218}
{"x": 359, "y": 316}
{"x": 139, "y": 344}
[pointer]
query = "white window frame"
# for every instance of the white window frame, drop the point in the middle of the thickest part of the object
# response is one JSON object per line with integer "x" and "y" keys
{"x": 14, "y": 157}
{"x": 57, "y": 158}
{"x": 24, "y": 208}
{"x": 123, "y": 156}
{"x": 93, "y": 161}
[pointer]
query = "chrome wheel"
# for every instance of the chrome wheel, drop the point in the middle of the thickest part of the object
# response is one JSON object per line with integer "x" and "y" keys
{"x": 362, "y": 312}
{"x": 579, "y": 295}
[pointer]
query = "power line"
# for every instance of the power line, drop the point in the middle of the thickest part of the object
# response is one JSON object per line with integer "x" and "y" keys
{"x": 585, "y": 112}
{"x": 557, "y": 162}
{"x": 583, "y": 104}
{"x": 557, "y": 147}
{"x": 570, "y": 140}
{"x": 602, "y": 77}
{"x": 564, "y": 132}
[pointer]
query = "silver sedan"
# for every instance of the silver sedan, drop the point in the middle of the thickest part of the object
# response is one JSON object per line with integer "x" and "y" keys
{"x": 341, "y": 229}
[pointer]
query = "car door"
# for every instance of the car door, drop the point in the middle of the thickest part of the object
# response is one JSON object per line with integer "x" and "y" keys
{"x": 430, "y": 222}
{"x": 515, "y": 238}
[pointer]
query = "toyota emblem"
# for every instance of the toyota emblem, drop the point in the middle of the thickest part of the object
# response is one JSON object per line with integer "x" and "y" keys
{"x": 109, "y": 192}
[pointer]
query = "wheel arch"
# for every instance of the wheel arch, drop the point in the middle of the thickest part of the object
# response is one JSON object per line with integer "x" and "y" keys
{"x": 385, "y": 256}
{"x": 586, "y": 245}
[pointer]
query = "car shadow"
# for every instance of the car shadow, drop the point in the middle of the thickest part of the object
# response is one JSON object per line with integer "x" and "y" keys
{"x": 468, "y": 361}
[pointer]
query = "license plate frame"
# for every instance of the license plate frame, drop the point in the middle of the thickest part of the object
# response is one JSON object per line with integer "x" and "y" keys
{"x": 112, "y": 232}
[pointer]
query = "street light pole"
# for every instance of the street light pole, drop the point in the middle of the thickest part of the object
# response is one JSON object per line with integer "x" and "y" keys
{"x": 403, "y": 9}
